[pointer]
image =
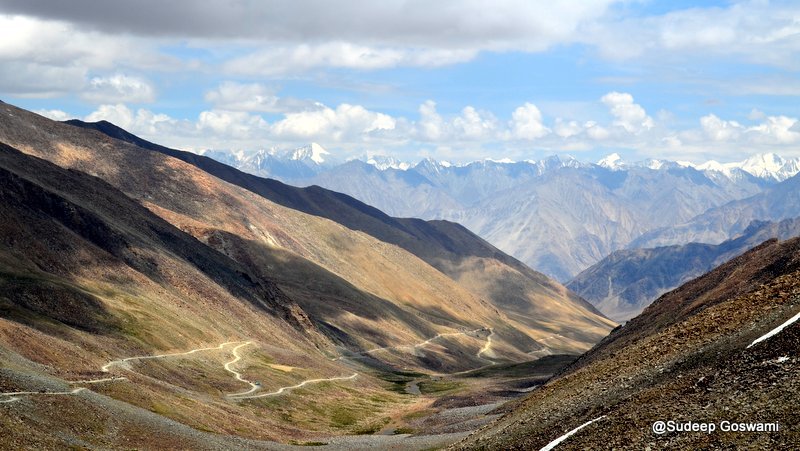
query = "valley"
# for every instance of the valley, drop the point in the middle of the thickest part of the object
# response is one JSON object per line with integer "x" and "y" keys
{"x": 145, "y": 301}
{"x": 403, "y": 226}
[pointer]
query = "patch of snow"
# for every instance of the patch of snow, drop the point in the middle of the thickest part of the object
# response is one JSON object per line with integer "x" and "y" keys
{"x": 557, "y": 441}
{"x": 782, "y": 359}
{"x": 613, "y": 161}
{"x": 501, "y": 161}
{"x": 313, "y": 152}
{"x": 383, "y": 163}
{"x": 775, "y": 331}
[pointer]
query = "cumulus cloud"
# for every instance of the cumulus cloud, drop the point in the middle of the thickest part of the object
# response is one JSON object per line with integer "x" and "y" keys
{"x": 255, "y": 97}
{"x": 775, "y": 130}
{"x": 354, "y": 128}
{"x": 119, "y": 88}
{"x": 142, "y": 121}
{"x": 469, "y": 125}
{"x": 627, "y": 114}
{"x": 472, "y": 124}
{"x": 526, "y": 123}
{"x": 56, "y": 115}
{"x": 48, "y": 58}
{"x": 565, "y": 128}
{"x": 345, "y": 122}
{"x": 717, "y": 129}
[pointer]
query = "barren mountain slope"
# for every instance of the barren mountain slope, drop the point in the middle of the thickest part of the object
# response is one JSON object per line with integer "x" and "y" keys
{"x": 693, "y": 355}
{"x": 484, "y": 270}
{"x": 133, "y": 274}
{"x": 88, "y": 276}
{"x": 627, "y": 281}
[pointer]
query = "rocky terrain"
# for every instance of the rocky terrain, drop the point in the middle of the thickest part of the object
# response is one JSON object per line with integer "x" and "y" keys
{"x": 146, "y": 302}
{"x": 722, "y": 347}
{"x": 624, "y": 283}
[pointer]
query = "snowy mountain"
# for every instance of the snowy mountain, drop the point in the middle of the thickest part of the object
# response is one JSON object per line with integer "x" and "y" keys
{"x": 300, "y": 163}
{"x": 383, "y": 163}
{"x": 767, "y": 166}
{"x": 312, "y": 153}
{"x": 557, "y": 214}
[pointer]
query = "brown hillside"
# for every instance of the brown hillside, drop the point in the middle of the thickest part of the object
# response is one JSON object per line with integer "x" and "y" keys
{"x": 686, "y": 358}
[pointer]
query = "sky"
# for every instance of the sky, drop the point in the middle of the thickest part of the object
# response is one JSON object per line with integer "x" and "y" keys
{"x": 454, "y": 80}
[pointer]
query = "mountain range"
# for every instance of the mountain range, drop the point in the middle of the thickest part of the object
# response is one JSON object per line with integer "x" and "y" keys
{"x": 624, "y": 283}
{"x": 159, "y": 299}
{"x": 179, "y": 302}
{"x": 557, "y": 215}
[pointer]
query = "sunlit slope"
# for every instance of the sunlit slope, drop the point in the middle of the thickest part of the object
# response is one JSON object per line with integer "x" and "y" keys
{"x": 242, "y": 224}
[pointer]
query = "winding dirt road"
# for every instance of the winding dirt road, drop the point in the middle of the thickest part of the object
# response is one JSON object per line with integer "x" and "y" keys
{"x": 13, "y": 396}
{"x": 238, "y": 375}
{"x": 108, "y": 365}
{"x": 301, "y": 384}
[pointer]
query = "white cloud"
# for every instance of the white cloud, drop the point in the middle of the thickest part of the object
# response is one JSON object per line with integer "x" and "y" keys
{"x": 596, "y": 131}
{"x": 627, "y": 114}
{"x": 281, "y": 60}
{"x": 775, "y": 130}
{"x": 236, "y": 124}
{"x": 469, "y": 125}
{"x": 717, "y": 129}
{"x": 56, "y": 115}
{"x": 346, "y": 122}
{"x": 46, "y": 58}
{"x": 473, "y": 125}
{"x": 119, "y": 88}
{"x": 565, "y": 129}
{"x": 143, "y": 121}
{"x": 255, "y": 97}
{"x": 431, "y": 125}
{"x": 755, "y": 31}
{"x": 526, "y": 123}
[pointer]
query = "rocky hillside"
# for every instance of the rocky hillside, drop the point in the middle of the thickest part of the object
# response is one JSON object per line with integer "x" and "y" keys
{"x": 521, "y": 293}
{"x": 721, "y": 348}
{"x": 624, "y": 283}
{"x": 145, "y": 301}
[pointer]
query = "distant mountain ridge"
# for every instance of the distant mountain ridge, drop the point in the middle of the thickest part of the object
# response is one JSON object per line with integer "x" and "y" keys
{"x": 528, "y": 208}
{"x": 627, "y": 281}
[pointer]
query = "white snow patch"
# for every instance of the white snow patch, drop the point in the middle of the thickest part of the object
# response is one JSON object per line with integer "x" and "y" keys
{"x": 613, "y": 161}
{"x": 557, "y": 441}
{"x": 501, "y": 161}
{"x": 775, "y": 331}
{"x": 782, "y": 359}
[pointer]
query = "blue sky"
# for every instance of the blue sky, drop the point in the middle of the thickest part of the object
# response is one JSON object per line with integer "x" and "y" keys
{"x": 455, "y": 80}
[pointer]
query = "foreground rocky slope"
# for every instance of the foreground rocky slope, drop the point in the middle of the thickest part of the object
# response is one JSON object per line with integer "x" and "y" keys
{"x": 624, "y": 283}
{"x": 693, "y": 355}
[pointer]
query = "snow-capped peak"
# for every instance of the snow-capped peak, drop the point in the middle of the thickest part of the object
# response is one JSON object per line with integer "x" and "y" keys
{"x": 383, "y": 163}
{"x": 501, "y": 161}
{"x": 613, "y": 161}
{"x": 764, "y": 166}
{"x": 313, "y": 152}
{"x": 769, "y": 165}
